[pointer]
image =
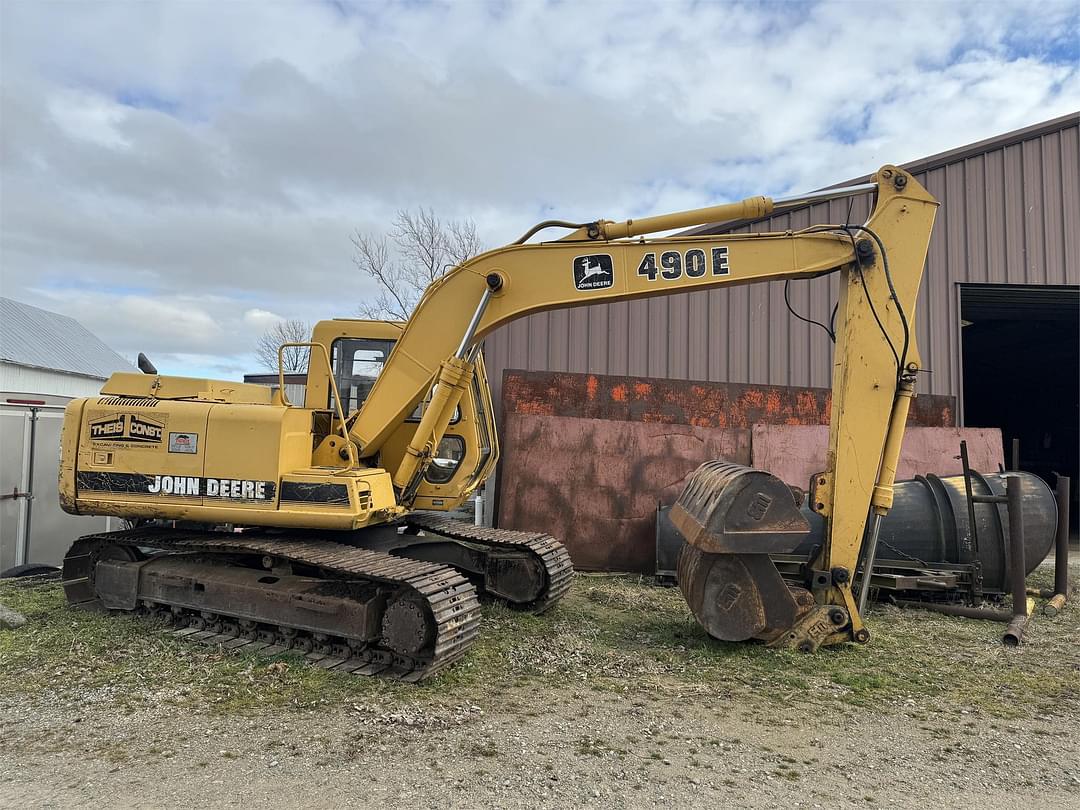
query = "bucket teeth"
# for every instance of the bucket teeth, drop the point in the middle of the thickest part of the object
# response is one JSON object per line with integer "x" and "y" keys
{"x": 733, "y": 517}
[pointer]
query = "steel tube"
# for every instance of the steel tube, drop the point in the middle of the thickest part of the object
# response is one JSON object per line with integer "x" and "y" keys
{"x": 24, "y": 550}
{"x": 1017, "y": 569}
{"x": 987, "y": 614}
{"x": 1061, "y": 549}
{"x": 868, "y": 564}
{"x": 1014, "y": 633}
{"x": 470, "y": 330}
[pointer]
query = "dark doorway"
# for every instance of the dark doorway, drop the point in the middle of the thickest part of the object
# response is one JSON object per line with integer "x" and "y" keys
{"x": 1021, "y": 365}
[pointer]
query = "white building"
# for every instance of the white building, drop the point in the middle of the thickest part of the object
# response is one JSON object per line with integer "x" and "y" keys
{"x": 46, "y": 360}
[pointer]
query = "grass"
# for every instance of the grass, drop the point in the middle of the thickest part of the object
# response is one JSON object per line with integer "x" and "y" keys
{"x": 619, "y": 635}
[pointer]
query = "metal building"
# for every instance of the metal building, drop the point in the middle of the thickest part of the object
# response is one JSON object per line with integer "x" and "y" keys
{"x": 46, "y": 360}
{"x": 1010, "y": 215}
{"x": 997, "y": 317}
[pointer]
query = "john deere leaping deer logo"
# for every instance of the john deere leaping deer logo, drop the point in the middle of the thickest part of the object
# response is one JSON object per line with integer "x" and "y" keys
{"x": 593, "y": 272}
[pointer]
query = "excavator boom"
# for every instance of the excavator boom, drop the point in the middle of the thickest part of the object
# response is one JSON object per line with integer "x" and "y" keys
{"x": 880, "y": 264}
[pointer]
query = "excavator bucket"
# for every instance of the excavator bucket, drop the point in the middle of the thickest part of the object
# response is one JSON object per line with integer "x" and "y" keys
{"x": 733, "y": 518}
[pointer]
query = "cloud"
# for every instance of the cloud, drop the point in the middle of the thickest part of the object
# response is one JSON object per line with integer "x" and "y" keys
{"x": 197, "y": 167}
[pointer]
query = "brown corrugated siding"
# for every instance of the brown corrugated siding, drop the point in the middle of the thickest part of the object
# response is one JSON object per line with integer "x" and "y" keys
{"x": 1010, "y": 214}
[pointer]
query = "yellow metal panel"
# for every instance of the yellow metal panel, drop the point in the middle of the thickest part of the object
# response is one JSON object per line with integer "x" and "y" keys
{"x": 253, "y": 442}
{"x": 119, "y": 441}
{"x": 125, "y": 383}
{"x": 539, "y": 277}
{"x": 69, "y": 453}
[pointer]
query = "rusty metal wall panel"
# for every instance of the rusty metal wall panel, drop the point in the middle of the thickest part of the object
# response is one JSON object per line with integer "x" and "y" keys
{"x": 594, "y": 484}
{"x": 1010, "y": 208}
{"x": 703, "y": 404}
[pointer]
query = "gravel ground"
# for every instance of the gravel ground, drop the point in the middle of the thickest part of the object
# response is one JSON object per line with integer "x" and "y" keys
{"x": 614, "y": 699}
{"x": 534, "y": 749}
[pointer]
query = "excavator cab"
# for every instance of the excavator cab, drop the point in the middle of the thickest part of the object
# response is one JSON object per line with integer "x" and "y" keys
{"x": 466, "y": 453}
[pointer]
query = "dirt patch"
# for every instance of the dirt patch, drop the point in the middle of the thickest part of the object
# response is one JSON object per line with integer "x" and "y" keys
{"x": 614, "y": 699}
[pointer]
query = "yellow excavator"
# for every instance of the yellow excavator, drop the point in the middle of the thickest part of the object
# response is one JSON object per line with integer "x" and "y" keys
{"x": 320, "y": 527}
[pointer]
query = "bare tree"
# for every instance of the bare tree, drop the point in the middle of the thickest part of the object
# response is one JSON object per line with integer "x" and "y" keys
{"x": 418, "y": 249}
{"x": 294, "y": 358}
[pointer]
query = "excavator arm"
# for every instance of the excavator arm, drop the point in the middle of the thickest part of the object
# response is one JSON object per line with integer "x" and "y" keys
{"x": 880, "y": 264}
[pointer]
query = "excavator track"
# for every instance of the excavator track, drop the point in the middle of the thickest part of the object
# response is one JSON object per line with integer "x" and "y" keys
{"x": 551, "y": 554}
{"x": 431, "y": 601}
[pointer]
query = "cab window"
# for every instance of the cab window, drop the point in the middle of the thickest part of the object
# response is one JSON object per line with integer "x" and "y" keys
{"x": 357, "y": 363}
{"x": 448, "y": 457}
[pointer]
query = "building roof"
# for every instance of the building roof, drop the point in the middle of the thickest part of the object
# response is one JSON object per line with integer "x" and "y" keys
{"x": 272, "y": 379}
{"x": 38, "y": 338}
{"x": 920, "y": 166}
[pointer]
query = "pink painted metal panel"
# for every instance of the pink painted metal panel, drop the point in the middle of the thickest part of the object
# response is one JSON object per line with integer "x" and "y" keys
{"x": 578, "y": 360}
{"x": 618, "y": 338}
{"x": 975, "y": 219}
{"x": 657, "y": 333}
{"x": 1070, "y": 201}
{"x": 594, "y": 484}
{"x": 1053, "y": 224}
{"x": 597, "y": 322}
{"x": 794, "y": 453}
{"x": 1015, "y": 263}
{"x": 678, "y": 344}
{"x": 1034, "y": 228}
{"x": 996, "y": 267}
{"x": 640, "y": 333}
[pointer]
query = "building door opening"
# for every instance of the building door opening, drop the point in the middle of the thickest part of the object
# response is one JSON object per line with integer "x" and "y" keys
{"x": 1021, "y": 373}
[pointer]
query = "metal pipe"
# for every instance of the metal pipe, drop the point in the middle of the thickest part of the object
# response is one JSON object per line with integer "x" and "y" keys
{"x": 1014, "y": 633}
{"x": 1061, "y": 550}
{"x": 1014, "y": 464}
{"x": 868, "y": 563}
{"x": 470, "y": 330}
{"x": 970, "y": 501}
{"x": 986, "y": 614}
{"x": 25, "y": 550}
{"x": 750, "y": 208}
{"x": 1017, "y": 570}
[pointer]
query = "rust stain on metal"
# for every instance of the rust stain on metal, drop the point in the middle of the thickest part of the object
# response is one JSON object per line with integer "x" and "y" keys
{"x": 594, "y": 484}
{"x": 588, "y": 456}
{"x": 685, "y": 402}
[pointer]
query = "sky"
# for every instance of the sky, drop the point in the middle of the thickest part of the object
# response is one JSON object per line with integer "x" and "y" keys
{"x": 179, "y": 176}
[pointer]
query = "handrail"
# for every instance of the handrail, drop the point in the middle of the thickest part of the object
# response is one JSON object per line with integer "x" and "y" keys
{"x": 333, "y": 386}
